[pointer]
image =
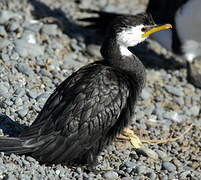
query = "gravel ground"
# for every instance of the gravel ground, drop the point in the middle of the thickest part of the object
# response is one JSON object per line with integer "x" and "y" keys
{"x": 41, "y": 44}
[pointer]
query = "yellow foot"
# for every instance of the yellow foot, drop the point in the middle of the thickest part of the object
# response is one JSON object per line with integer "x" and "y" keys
{"x": 130, "y": 136}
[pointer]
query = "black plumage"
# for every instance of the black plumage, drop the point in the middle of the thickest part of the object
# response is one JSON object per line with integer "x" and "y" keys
{"x": 88, "y": 109}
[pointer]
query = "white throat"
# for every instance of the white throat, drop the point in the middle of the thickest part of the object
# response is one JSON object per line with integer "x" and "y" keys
{"x": 124, "y": 51}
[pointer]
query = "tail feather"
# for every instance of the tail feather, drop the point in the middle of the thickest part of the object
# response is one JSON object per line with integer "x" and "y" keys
{"x": 13, "y": 145}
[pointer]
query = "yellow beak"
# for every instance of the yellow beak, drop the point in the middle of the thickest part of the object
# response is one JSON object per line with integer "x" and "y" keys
{"x": 156, "y": 29}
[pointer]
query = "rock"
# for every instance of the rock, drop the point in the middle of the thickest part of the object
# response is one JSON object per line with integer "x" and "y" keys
{"x": 19, "y": 92}
{"x": 169, "y": 166}
{"x": 15, "y": 56}
{"x": 24, "y": 68}
{"x": 146, "y": 94}
{"x": 140, "y": 169}
{"x": 3, "y": 90}
{"x": 151, "y": 175}
{"x": 32, "y": 94}
{"x": 194, "y": 110}
{"x": 22, "y": 112}
{"x": 173, "y": 116}
{"x": 69, "y": 61}
{"x": 162, "y": 155}
{"x": 110, "y": 175}
{"x": 42, "y": 96}
{"x": 6, "y": 15}
{"x": 147, "y": 152}
{"x": 94, "y": 50}
{"x": 29, "y": 37}
{"x": 13, "y": 26}
{"x": 18, "y": 101}
{"x": 184, "y": 175}
{"x": 50, "y": 29}
{"x": 130, "y": 164}
{"x": 3, "y": 32}
{"x": 33, "y": 25}
{"x": 174, "y": 90}
{"x": 127, "y": 178}
{"x": 4, "y": 43}
{"x": 26, "y": 49}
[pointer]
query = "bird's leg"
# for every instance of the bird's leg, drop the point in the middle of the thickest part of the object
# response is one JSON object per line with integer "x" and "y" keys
{"x": 130, "y": 136}
{"x": 126, "y": 133}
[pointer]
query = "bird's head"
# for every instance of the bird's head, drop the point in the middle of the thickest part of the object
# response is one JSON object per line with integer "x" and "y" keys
{"x": 131, "y": 30}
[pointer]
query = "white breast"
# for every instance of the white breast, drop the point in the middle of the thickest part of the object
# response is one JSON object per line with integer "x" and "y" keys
{"x": 188, "y": 23}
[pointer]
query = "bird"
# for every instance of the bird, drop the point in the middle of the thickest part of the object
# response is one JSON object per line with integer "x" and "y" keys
{"x": 91, "y": 107}
{"x": 184, "y": 41}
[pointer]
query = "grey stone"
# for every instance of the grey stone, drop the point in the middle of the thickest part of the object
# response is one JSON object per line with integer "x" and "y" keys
{"x": 174, "y": 90}
{"x": 4, "y": 43}
{"x": 146, "y": 94}
{"x": 164, "y": 177}
{"x": 33, "y": 25}
{"x": 3, "y": 90}
{"x": 151, "y": 175}
{"x": 32, "y": 94}
{"x": 110, "y": 175}
{"x": 15, "y": 56}
{"x": 6, "y": 15}
{"x": 70, "y": 62}
{"x": 74, "y": 45}
{"x": 94, "y": 50}
{"x": 5, "y": 57}
{"x": 169, "y": 166}
{"x": 3, "y": 31}
{"x": 24, "y": 68}
{"x": 29, "y": 37}
{"x": 130, "y": 164}
{"x": 184, "y": 175}
{"x": 18, "y": 101}
{"x": 26, "y": 49}
{"x": 140, "y": 169}
{"x": 20, "y": 92}
{"x": 194, "y": 110}
{"x": 50, "y": 29}
{"x": 162, "y": 155}
{"x": 22, "y": 112}
{"x": 147, "y": 152}
{"x": 13, "y": 26}
{"x": 42, "y": 96}
{"x": 173, "y": 116}
{"x": 11, "y": 177}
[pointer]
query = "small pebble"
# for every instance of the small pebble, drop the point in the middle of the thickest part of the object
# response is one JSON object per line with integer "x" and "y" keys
{"x": 145, "y": 94}
{"x": 173, "y": 90}
{"x": 148, "y": 152}
{"x": 22, "y": 112}
{"x": 110, "y": 175}
{"x": 169, "y": 166}
{"x": 94, "y": 50}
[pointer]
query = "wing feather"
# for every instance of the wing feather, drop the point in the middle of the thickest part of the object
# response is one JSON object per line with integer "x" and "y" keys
{"x": 81, "y": 111}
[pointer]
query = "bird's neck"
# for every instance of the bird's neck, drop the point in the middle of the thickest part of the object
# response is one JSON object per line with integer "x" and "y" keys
{"x": 121, "y": 58}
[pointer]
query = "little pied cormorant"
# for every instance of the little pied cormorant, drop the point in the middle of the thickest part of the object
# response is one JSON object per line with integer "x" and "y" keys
{"x": 93, "y": 105}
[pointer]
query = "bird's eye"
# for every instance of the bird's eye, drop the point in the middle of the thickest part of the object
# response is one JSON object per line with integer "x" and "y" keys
{"x": 143, "y": 29}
